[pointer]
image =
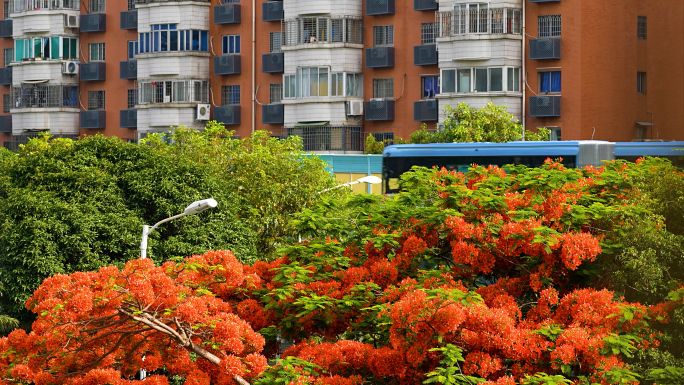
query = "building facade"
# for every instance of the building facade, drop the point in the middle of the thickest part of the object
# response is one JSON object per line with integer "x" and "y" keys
{"x": 334, "y": 72}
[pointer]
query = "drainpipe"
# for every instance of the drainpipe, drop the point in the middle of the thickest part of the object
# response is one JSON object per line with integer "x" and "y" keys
{"x": 523, "y": 76}
{"x": 253, "y": 63}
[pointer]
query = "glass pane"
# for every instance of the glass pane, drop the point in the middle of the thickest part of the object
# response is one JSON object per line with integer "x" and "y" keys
{"x": 323, "y": 82}
{"x": 449, "y": 81}
{"x": 174, "y": 41}
{"x": 19, "y": 50}
{"x": 54, "y": 54}
{"x": 464, "y": 80}
{"x": 164, "y": 40}
{"x": 37, "y": 47}
{"x": 195, "y": 41}
{"x": 237, "y": 44}
{"x": 480, "y": 80}
{"x": 496, "y": 79}
{"x": 314, "y": 81}
{"x": 203, "y": 41}
{"x": 73, "y": 47}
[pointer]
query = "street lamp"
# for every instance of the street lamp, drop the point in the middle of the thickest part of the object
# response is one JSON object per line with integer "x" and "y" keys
{"x": 194, "y": 208}
{"x": 372, "y": 179}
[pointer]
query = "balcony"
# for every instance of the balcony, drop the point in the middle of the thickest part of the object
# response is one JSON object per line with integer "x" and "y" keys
{"x": 336, "y": 29}
{"x": 16, "y": 6}
{"x": 128, "y": 118}
{"x": 93, "y": 119}
{"x": 90, "y": 72}
{"x": 6, "y": 76}
{"x": 272, "y": 11}
{"x": 329, "y": 138}
{"x": 129, "y": 19}
{"x": 93, "y": 22}
{"x": 425, "y": 5}
{"x": 41, "y": 96}
{"x": 425, "y": 110}
{"x": 6, "y": 124}
{"x": 272, "y": 63}
{"x": 272, "y": 114}
{"x": 6, "y": 28}
{"x": 128, "y": 69}
{"x": 379, "y": 7}
{"x": 228, "y": 13}
{"x": 378, "y": 57}
{"x": 545, "y": 106}
{"x": 425, "y": 55}
{"x": 471, "y": 22}
{"x": 547, "y": 48}
{"x": 227, "y": 65}
{"x": 227, "y": 115}
{"x": 380, "y": 110}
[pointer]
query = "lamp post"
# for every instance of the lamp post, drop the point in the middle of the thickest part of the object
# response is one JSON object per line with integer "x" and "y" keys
{"x": 194, "y": 208}
{"x": 372, "y": 179}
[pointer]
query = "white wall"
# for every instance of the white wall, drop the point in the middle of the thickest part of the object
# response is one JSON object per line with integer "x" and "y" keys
{"x": 183, "y": 64}
{"x": 333, "y": 55}
{"x": 499, "y": 52}
{"x": 186, "y": 16}
{"x": 315, "y": 111}
{"x": 162, "y": 118}
{"x": 59, "y": 121}
{"x": 43, "y": 22}
{"x": 295, "y": 8}
{"x": 50, "y": 70}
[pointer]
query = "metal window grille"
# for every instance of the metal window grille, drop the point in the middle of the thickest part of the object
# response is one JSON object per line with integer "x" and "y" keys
{"x": 6, "y": 103}
{"x": 96, "y": 100}
{"x": 641, "y": 82}
{"x": 169, "y": 91}
{"x": 345, "y": 29}
{"x": 276, "y": 41}
{"x": 428, "y": 33}
{"x": 132, "y": 98}
{"x": 641, "y": 27}
{"x": 24, "y": 5}
{"x": 276, "y": 93}
{"x": 5, "y": 10}
{"x": 8, "y": 55}
{"x": 468, "y": 19}
{"x": 383, "y": 35}
{"x": 201, "y": 93}
{"x": 96, "y": 51}
{"x": 40, "y": 95}
{"x": 549, "y": 26}
{"x": 131, "y": 5}
{"x": 230, "y": 95}
{"x": 383, "y": 88}
{"x": 96, "y": 6}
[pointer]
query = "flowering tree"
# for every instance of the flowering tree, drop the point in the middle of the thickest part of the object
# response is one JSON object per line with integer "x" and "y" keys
{"x": 460, "y": 279}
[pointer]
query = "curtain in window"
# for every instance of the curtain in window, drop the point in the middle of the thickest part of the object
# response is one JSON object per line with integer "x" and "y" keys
{"x": 550, "y": 81}
{"x": 430, "y": 86}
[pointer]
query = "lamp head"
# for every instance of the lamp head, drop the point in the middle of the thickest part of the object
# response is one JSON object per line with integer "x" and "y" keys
{"x": 199, "y": 206}
{"x": 372, "y": 179}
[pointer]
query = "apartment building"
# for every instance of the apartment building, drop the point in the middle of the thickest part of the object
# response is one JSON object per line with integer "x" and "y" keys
{"x": 333, "y": 72}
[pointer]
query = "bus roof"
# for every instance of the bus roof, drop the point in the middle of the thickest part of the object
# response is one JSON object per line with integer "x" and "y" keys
{"x": 648, "y": 148}
{"x": 555, "y": 148}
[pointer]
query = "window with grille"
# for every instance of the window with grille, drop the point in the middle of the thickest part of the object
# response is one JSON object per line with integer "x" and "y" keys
{"x": 276, "y": 41}
{"x": 131, "y": 5}
{"x": 346, "y": 29}
{"x": 471, "y": 18}
{"x": 5, "y": 10}
{"x": 96, "y": 51}
{"x": 428, "y": 33}
{"x": 231, "y": 44}
{"x": 641, "y": 27}
{"x": 230, "y": 95}
{"x": 549, "y": 81}
{"x": 8, "y": 54}
{"x": 549, "y": 26}
{"x": 641, "y": 83}
{"x": 132, "y": 49}
{"x": 96, "y": 100}
{"x": 132, "y": 98}
{"x": 489, "y": 79}
{"x": 96, "y": 6}
{"x": 383, "y": 35}
{"x": 6, "y": 103}
{"x": 276, "y": 93}
{"x": 383, "y": 88}
{"x": 555, "y": 133}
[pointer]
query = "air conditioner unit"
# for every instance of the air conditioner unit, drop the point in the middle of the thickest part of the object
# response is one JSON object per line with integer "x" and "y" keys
{"x": 272, "y": 6}
{"x": 70, "y": 21}
{"x": 203, "y": 111}
{"x": 379, "y": 53}
{"x": 276, "y": 59}
{"x": 543, "y": 102}
{"x": 70, "y": 68}
{"x": 354, "y": 107}
{"x": 431, "y": 103}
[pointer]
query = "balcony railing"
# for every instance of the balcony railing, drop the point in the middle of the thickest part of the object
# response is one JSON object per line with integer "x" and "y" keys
{"x": 483, "y": 21}
{"x": 378, "y": 57}
{"x": 545, "y": 106}
{"x": 41, "y": 5}
{"x": 93, "y": 119}
{"x": 128, "y": 69}
{"x": 425, "y": 110}
{"x": 272, "y": 62}
{"x": 273, "y": 114}
{"x": 546, "y": 48}
{"x": 128, "y": 118}
{"x": 328, "y": 138}
{"x": 41, "y": 96}
{"x": 272, "y": 11}
{"x": 425, "y": 55}
{"x": 6, "y": 28}
{"x": 6, "y": 76}
{"x": 227, "y": 115}
{"x": 380, "y": 110}
{"x": 313, "y": 30}
{"x": 6, "y": 124}
{"x": 129, "y": 19}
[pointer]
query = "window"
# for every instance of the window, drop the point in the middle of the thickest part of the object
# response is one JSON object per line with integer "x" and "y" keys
{"x": 555, "y": 133}
{"x": 276, "y": 93}
{"x": 231, "y": 44}
{"x": 479, "y": 18}
{"x": 430, "y": 86}
{"x": 428, "y": 33}
{"x": 641, "y": 27}
{"x": 383, "y": 88}
{"x": 641, "y": 83}
{"x": 8, "y": 55}
{"x": 309, "y": 81}
{"x": 346, "y": 29}
{"x": 6, "y": 103}
{"x": 491, "y": 79}
{"x": 549, "y": 81}
{"x": 131, "y": 5}
{"x": 276, "y": 41}
{"x": 96, "y": 100}
{"x": 383, "y": 36}
{"x": 230, "y": 95}
{"x": 132, "y": 49}
{"x": 45, "y": 48}
{"x": 549, "y": 26}
{"x": 472, "y": 18}
{"x": 167, "y": 38}
{"x": 96, "y": 51}
{"x": 96, "y": 6}
{"x": 170, "y": 91}
{"x": 5, "y": 10}
{"x": 132, "y": 98}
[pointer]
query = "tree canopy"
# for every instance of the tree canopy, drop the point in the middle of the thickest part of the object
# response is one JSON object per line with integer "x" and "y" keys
{"x": 491, "y": 277}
